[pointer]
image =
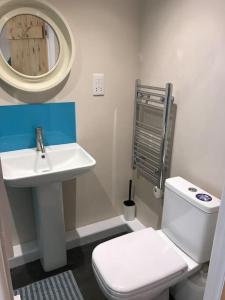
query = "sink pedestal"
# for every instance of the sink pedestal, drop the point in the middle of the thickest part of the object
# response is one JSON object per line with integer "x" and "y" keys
{"x": 45, "y": 174}
{"x": 48, "y": 204}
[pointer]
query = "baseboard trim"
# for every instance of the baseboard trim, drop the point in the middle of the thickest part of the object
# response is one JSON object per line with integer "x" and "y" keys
{"x": 28, "y": 252}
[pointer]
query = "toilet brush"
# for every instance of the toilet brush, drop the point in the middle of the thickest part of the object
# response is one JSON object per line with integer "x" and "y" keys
{"x": 129, "y": 206}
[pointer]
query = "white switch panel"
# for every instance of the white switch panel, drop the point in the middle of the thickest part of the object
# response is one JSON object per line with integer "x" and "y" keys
{"x": 98, "y": 84}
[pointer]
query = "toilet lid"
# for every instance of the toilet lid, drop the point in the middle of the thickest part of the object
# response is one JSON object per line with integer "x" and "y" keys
{"x": 138, "y": 260}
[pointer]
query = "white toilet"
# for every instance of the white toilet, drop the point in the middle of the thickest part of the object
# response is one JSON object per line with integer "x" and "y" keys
{"x": 143, "y": 265}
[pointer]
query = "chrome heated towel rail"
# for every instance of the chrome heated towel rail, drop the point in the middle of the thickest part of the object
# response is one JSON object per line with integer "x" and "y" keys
{"x": 154, "y": 120}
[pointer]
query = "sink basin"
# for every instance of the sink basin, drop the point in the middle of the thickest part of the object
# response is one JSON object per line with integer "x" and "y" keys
{"x": 30, "y": 168}
{"x": 45, "y": 173}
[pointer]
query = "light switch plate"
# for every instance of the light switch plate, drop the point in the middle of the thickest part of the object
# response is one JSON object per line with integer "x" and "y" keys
{"x": 98, "y": 84}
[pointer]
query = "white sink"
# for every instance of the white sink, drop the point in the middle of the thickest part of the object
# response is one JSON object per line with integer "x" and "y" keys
{"x": 30, "y": 168}
{"x": 45, "y": 173}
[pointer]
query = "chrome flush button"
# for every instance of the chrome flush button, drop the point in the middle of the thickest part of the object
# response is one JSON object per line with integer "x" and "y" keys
{"x": 192, "y": 189}
{"x": 204, "y": 197}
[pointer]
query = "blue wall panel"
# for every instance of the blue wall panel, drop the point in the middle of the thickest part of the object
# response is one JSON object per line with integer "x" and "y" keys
{"x": 18, "y": 123}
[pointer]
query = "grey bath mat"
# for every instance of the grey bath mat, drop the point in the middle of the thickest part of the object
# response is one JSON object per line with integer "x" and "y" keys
{"x": 60, "y": 287}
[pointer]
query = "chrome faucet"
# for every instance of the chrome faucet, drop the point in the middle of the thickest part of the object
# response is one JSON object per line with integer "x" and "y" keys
{"x": 39, "y": 139}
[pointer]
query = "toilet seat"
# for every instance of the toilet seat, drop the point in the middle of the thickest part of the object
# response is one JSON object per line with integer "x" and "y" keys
{"x": 139, "y": 263}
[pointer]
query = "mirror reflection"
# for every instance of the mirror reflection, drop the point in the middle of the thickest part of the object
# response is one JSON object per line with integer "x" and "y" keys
{"x": 29, "y": 45}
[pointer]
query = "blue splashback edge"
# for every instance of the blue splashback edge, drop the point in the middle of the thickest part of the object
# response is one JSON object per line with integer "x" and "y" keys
{"x": 18, "y": 123}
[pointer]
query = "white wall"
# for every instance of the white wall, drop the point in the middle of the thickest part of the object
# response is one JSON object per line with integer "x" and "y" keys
{"x": 106, "y": 36}
{"x": 182, "y": 41}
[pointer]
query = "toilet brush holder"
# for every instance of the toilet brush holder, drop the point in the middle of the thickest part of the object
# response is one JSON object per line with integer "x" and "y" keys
{"x": 129, "y": 206}
{"x": 129, "y": 210}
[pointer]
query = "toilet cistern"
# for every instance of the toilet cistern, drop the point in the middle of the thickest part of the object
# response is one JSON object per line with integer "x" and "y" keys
{"x": 39, "y": 140}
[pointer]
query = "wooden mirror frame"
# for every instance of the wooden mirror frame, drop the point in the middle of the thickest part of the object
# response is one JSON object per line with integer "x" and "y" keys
{"x": 47, "y": 81}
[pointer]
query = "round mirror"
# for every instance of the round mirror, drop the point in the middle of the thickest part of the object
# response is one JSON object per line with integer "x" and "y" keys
{"x": 37, "y": 47}
{"x": 29, "y": 45}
